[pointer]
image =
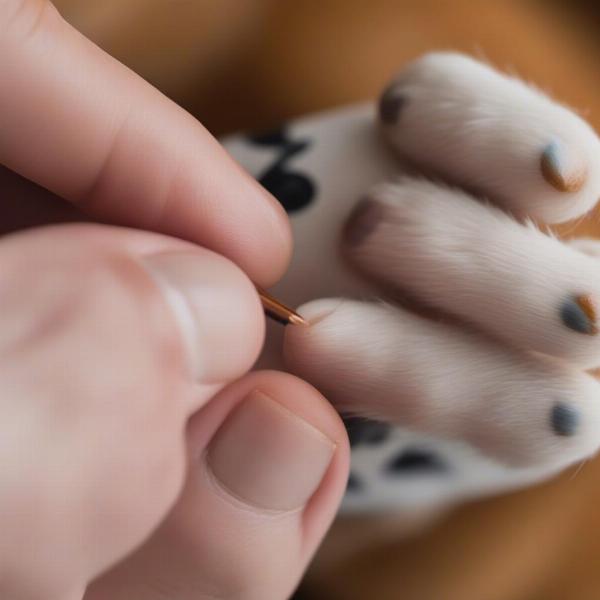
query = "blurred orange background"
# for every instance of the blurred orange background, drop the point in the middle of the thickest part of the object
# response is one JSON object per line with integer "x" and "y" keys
{"x": 248, "y": 64}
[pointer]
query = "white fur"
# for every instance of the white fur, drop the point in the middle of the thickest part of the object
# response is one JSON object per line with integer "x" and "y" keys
{"x": 475, "y": 262}
{"x": 385, "y": 363}
{"x": 587, "y": 246}
{"x": 475, "y": 126}
{"x": 476, "y": 403}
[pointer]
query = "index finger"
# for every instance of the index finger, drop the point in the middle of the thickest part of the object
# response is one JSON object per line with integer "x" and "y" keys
{"x": 84, "y": 126}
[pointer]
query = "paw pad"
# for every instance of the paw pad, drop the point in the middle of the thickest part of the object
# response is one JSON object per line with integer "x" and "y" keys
{"x": 390, "y": 105}
{"x": 366, "y": 431}
{"x": 354, "y": 483}
{"x": 416, "y": 461}
{"x": 564, "y": 419}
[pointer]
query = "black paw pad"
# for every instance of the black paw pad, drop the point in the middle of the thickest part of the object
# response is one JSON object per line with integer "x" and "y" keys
{"x": 294, "y": 190}
{"x": 366, "y": 431}
{"x": 564, "y": 419}
{"x": 416, "y": 461}
{"x": 390, "y": 105}
{"x": 354, "y": 483}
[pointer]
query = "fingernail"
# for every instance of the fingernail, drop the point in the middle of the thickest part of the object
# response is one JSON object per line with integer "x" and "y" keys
{"x": 362, "y": 221}
{"x": 267, "y": 456}
{"x": 216, "y": 308}
{"x": 564, "y": 171}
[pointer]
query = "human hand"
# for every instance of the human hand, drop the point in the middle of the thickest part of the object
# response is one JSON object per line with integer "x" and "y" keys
{"x": 118, "y": 463}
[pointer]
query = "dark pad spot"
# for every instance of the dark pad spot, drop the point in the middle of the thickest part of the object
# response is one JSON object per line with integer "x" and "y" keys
{"x": 366, "y": 431}
{"x": 275, "y": 137}
{"x": 416, "y": 461}
{"x": 574, "y": 317}
{"x": 390, "y": 105}
{"x": 354, "y": 483}
{"x": 364, "y": 219}
{"x": 294, "y": 190}
{"x": 564, "y": 419}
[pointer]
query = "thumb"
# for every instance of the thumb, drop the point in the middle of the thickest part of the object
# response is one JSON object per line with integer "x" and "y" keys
{"x": 110, "y": 339}
{"x": 268, "y": 464}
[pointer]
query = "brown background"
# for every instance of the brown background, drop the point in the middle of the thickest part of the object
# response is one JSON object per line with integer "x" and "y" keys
{"x": 245, "y": 64}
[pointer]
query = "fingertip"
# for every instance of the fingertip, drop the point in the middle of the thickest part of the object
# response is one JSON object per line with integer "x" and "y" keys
{"x": 279, "y": 246}
{"x": 303, "y": 447}
{"x": 247, "y": 470}
{"x": 263, "y": 243}
{"x": 216, "y": 309}
{"x": 152, "y": 168}
{"x": 292, "y": 393}
{"x": 290, "y": 397}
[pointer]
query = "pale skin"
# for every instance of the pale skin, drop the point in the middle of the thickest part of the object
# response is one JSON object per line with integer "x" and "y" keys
{"x": 123, "y": 438}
